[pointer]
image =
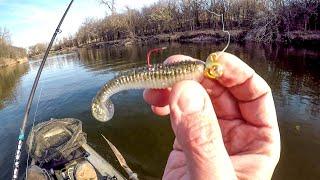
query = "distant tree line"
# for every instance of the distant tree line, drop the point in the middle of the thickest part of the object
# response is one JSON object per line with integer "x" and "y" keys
{"x": 265, "y": 21}
{"x": 37, "y": 49}
{"x": 6, "y": 49}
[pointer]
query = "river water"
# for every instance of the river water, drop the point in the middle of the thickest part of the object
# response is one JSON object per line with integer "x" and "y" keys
{"x": 69, "y": 82}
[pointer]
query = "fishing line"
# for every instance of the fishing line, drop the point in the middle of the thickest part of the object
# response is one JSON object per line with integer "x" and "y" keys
{"x": 34, "y": 119}
{"x": 223, "y": 25}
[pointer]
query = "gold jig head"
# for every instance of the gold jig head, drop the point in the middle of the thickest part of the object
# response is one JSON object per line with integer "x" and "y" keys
{"x": 213, "y": 68}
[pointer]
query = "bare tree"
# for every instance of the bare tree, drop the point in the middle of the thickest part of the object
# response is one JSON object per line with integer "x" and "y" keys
{"x": 110, "y": 4}
{"x": 37, "y": 49}
{"x": 265, "y": 20}
{"x": 5, "y": 36}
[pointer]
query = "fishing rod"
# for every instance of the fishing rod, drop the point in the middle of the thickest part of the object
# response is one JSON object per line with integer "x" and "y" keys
{"x": 33, "y": 90}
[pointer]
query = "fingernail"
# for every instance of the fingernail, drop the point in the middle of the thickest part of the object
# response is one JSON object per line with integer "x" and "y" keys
{"x": 191, "y": 99}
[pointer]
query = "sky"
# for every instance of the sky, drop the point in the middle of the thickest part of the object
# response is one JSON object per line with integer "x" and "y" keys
{"x": 34, "y": 21}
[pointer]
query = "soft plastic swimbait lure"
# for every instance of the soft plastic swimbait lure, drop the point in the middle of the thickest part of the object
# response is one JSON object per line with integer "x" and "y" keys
{"x": 157, "y": 76}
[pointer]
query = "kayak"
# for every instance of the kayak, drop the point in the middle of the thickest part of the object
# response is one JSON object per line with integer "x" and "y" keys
{"x": 58, "y": 149}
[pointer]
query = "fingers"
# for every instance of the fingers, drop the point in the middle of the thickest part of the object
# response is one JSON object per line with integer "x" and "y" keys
{"x": 161, "y": 111}
{"x": 178, "y": 58}
{"x": 225, "y": 105}
{"x": 240, "y": 79}
{"x": 260, "y": 112}
{"x": 252, "y": 94}
{"x": 198, "y": 133}
{"x": 157, "y": 97}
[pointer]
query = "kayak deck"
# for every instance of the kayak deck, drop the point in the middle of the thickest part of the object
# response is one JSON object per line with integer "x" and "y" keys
{"x": 101, "y": 165}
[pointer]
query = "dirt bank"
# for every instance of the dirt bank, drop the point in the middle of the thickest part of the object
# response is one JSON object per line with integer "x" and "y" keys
{"x": 9, "y": 62}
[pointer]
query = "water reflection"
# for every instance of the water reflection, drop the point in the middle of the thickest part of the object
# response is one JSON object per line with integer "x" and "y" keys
{"x": 113, "y": 58}
{"x": 9, "y": 81}
{"x": 294, "y": 78}
{"x": 71, "y": 81}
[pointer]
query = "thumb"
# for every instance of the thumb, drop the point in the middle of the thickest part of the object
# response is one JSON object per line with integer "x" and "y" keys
{"x": 197, "y": 131}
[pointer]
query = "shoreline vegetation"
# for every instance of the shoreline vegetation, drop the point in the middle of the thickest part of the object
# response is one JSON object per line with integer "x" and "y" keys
{"x": 195, "y": 36}
{"x": 290, "y": 22}
{"x": 206, "y": 36}
{"x": 10, "y": 55}
{"x": 296, "y": 38}
{"x": 294, "y": 22}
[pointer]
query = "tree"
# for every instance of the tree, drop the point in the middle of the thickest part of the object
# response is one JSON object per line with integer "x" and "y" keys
{"x": 110, "y": 5}
{"x": 5, "y": 36}
{"x": 37, "y": 49}
{"x": 266, "y": 21}
{"x": 6, "y": 49}
{"x": 161, "y": 15}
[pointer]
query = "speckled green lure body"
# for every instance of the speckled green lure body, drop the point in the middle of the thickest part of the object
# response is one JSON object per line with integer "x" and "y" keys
{"x": 157, "y": 76}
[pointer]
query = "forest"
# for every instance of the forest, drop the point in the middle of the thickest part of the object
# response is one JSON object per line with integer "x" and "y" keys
{"x": 261, "y": 20}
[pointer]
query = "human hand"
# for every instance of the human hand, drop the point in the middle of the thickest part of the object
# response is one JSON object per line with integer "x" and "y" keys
{"x": 225, "y": 128}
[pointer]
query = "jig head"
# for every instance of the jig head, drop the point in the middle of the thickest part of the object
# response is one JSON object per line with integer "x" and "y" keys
{"x": 213, "y": 68}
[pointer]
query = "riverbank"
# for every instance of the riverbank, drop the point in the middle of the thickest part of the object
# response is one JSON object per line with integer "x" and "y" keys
{"x": 302, "y": 38}
{"x": 4, "y": 62}
{"x": 54, "y": 53}
{"x": 296, "y": 38}
{"x": 187, "y": 36}
{"x": 299, "y": 38}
